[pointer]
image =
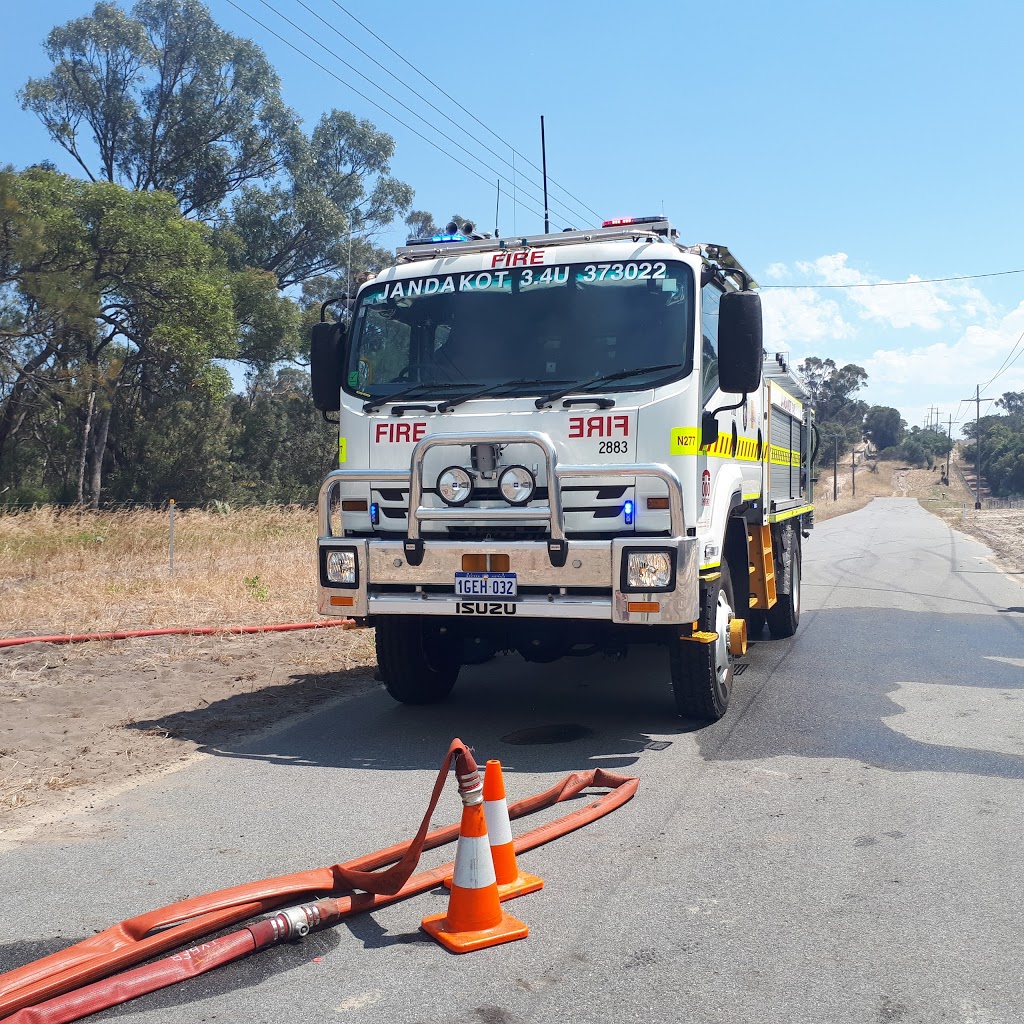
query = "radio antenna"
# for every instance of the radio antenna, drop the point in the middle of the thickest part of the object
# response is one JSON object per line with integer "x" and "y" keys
{"x": 497, "y": 203}
{"x": 544, "y": 171}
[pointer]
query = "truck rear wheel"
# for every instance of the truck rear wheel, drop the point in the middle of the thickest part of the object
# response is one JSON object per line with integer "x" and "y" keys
{"x": 419, "y": 659}
{"x": 702, "y": 672}
{"x": 784, "y": 615}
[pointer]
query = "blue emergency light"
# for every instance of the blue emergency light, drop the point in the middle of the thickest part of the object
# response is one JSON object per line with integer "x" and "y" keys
{"x": 627, "y": 511}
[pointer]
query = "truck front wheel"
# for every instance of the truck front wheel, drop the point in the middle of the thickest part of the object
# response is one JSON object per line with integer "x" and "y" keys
{"x": 702, "y": 672}
{"x": 419, "y": 659}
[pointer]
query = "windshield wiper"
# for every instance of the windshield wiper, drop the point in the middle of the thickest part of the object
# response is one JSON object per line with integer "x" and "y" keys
{"x": 378, "y": 403}
{"x": 490, "y": 389}
{"x": 606, "y": 378}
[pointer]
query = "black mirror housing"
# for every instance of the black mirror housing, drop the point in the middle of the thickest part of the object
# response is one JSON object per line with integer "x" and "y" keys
{"x": 740, "y": 341}
{"x": 327, "y": 365}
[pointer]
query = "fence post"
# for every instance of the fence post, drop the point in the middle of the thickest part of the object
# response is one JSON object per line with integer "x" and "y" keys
{"x": 171, "y": 516}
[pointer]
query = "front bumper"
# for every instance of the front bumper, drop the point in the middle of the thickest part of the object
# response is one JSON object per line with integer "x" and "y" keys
{"x": 557, "y": 578}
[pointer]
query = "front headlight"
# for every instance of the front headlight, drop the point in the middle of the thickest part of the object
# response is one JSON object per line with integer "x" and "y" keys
{"x": 649, "y": 570}
{"x": 454, "y": 486}
{"x": 341, "y": 568}
{"x": 516, "y": 485}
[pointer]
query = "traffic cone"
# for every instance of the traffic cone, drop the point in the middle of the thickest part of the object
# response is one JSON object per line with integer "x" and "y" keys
{"x": 511, "y": 881}
{"x": 474, "y": 919}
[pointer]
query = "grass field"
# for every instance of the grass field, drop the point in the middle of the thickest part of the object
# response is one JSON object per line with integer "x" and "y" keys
{"x": 69, "y": 571}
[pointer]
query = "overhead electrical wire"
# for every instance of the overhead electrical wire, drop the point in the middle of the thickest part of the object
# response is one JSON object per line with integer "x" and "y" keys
{"x": 567, "y": 210}
{"x": 1008, "y": 361}
{"x": 894, "y": 284}
{"x": 380, "y": 88}
{"x": 469, "y": 113}
{"x": 373, "y": 103}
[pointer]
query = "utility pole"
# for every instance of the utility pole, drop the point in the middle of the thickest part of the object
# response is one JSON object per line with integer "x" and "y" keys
{"x": 949, "y": 454}
{"x": 835, "y": 468}
{"x": 853, "y": 470}
{"x": 977, "y": 446}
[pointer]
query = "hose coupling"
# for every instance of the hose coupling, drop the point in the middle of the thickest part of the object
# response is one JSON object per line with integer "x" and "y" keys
{"x": 295, "y": 922}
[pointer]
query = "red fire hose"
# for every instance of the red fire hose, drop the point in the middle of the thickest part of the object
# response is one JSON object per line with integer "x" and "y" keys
{"x": 35, "y": 985}
{"x": 78, "y": 638}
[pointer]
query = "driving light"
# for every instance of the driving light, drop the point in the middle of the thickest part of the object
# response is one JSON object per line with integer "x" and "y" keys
{"x": 649, "y": 570}
{"x": 341, "y": 567}
{"x": 454, "y": 485}
{"x": 516, "y": 485}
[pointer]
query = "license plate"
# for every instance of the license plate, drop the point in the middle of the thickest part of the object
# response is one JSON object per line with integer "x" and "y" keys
{"x": 485, "y": 584}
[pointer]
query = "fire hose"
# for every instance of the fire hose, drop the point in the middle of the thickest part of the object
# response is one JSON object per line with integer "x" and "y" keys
{"x": 65, "y": 987}
{"x": 130, "y": 634}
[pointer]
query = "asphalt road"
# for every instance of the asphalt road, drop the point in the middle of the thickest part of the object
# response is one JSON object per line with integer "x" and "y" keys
{"x": 845, "y": 846}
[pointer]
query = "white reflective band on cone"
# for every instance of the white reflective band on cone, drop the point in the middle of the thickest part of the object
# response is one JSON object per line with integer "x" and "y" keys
{"x": 499, "y": 831}
{"x": 474, "y": 868}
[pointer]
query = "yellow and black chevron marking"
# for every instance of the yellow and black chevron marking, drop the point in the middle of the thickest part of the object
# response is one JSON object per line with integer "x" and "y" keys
{"x": 784, "y": 456}
{"x": 686, "y": 441}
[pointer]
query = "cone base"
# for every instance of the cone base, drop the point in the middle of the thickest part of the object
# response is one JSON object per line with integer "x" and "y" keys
{"x": 510, "y": 890}
{"x": 506, "y": 930}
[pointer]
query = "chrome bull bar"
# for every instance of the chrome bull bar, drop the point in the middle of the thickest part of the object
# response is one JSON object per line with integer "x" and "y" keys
{"x": 551, "y": 513}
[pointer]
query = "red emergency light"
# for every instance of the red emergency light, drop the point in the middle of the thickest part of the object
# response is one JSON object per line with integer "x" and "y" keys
{"x": 619, "y": 222}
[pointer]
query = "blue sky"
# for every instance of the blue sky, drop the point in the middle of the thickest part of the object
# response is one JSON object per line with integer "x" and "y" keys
{"x": 824, "y": 143}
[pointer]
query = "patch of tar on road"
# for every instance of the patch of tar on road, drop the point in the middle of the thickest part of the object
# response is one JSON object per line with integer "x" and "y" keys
{"x": 908, "y": 706}
{"x": 962, "y": 717}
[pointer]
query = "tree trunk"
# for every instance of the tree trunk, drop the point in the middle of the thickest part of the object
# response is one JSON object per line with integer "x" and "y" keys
{"x": 86, "y": 430}
{"x": 13, "y": 410}
{"x": 98, "y": 450}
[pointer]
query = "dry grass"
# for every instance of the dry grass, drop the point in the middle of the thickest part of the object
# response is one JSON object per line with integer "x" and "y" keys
{"x": 80, "y": 571}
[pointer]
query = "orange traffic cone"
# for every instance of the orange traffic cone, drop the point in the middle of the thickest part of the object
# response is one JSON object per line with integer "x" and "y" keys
{"x": 474, "y": 919}
{"x": 511, "y": 881}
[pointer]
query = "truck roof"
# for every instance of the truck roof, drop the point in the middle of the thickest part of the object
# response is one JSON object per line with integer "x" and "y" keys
{"x": 632, "y": 229}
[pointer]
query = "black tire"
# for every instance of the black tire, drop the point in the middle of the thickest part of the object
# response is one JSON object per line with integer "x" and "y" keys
{"x": 784, "y": 615}
{"x": 702, "y": 674}
{"x": 419, "y": 660}
{"x": 756, "y": 621}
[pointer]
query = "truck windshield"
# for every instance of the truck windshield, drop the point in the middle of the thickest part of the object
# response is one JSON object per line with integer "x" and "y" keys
{"x": 537, "y": 326}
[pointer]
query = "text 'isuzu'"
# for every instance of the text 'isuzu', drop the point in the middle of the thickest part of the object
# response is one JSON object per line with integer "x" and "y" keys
{"x": 560, "y": 444}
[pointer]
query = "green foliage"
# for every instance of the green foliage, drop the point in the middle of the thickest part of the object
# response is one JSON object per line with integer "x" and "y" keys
{"x": 257, "y": 589}
{"x": 1002, "y": 446}
{"x": 884, "y": 425}
{"x": 163, "y": 99}
{"x": 209, "y": 228}
{"x": 839, "y": 417}
{"x": 920, "y": 448}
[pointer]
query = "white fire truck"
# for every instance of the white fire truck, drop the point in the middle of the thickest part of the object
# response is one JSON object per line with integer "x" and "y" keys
{"x": 561, "y": 444}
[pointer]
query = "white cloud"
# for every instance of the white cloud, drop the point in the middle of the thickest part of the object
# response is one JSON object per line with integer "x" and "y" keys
{"x": 801, "y": 317}
{"x": 946, "y": 373}
{"x": 930, "y": 306}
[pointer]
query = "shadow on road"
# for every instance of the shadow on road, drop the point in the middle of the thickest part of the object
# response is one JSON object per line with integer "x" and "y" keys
{"x": 611, "y": 711}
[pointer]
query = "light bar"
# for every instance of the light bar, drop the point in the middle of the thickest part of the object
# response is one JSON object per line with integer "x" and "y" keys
{"x": 434, "y": 239}
{"x": 621, "y": 222}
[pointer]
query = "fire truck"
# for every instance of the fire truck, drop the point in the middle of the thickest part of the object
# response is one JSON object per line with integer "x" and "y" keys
{"x": 556, "y": 445}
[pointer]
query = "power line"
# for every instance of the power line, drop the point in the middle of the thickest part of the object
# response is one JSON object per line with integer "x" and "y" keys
{"x": 896, "y": 284}
{"x": 487, "y": 128}
{"x": 373, "y": 103}
{"x": 569, "y": 211}
{"x": 404, "y": 106}
{"x": 1007, "y": 362}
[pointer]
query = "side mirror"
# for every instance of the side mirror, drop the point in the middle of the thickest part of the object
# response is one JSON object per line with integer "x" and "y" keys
{"x": 327, "y": 365}
{"x": 739, "y": 342}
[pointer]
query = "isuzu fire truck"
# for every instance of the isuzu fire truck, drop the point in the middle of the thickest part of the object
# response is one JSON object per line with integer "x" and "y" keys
{"x": 561, "y": 444}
